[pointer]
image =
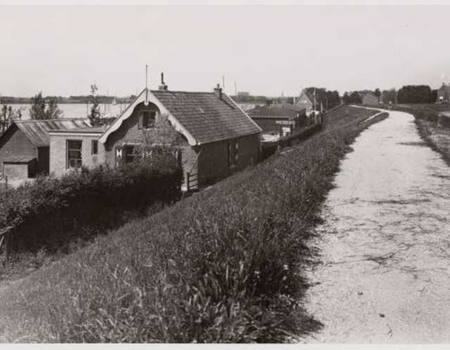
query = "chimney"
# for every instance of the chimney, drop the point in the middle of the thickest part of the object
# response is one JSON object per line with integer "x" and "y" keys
{"x": 163, "y": 85}
{"x": 218, "y": 91}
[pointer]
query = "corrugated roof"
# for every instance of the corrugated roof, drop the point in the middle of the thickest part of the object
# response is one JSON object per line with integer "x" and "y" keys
{"x": 37, "y": 130}
{"x": 207, "y": 117}
{"x": 18, "y": 159}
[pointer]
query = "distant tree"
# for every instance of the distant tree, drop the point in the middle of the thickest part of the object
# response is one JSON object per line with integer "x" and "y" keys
{"x": 434, "y": 96}
{"x": 94, "y": 115}
{"x": 415, "y": 94}
{"x": 44, "y": 109}
{"x": 332, "y": 99}
{"x": 4, "y": 119}
{"x": 377, "y": 93}
{"x": 389, "y": 96}
{"x": 352, "y": 98}
{"x": 10, "y": 115}
{"x": 327, "y": 98}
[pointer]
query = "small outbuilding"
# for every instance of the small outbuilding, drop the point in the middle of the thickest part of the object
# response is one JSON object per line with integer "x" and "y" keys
{"x": 24, "y": 147}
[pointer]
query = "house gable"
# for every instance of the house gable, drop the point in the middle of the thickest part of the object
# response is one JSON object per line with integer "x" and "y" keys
{"x": 142, "y": 98}
{"x": 303, "y": 99}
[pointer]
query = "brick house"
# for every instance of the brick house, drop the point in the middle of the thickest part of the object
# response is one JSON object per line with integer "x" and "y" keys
{"x": 370, "y": 99}
{"x": 24, "y": 146}
{"x": 215, "y": 138}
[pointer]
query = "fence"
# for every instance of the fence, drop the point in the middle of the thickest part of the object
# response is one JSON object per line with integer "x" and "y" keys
{"x": 3, "y": 182}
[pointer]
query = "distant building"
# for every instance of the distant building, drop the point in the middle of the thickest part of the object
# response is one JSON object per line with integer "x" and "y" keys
{"x": 243, "y": 94}
{"x": 278, "y": 120}
{"x": 24, "y": 147}
{"x": 443, "y": 94}
{"x": 249, "y": 106}
{"x": 370, "y": 99}
{"x": 215, "y": 138}
{"x": 306, "y": 101}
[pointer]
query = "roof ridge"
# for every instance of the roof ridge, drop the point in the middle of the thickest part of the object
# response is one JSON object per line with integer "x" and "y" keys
{"x": 48, "y": 120}
{"x": 185, "y": 92}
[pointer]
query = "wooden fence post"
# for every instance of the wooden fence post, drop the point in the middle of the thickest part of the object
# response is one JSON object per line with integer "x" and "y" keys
{"x": 5, "y": 241}
{"x": 7, "y": 248}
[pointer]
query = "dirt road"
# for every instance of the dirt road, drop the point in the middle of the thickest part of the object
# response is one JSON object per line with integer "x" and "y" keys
{"x": 384, "y": 272}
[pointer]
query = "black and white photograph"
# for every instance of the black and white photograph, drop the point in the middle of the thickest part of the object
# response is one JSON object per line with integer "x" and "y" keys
{"x": 242, "y": 172}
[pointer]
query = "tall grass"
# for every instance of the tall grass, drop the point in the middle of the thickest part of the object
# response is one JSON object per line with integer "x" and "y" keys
{"x": 426, "y": 120}
{"x": 224, "y": 265}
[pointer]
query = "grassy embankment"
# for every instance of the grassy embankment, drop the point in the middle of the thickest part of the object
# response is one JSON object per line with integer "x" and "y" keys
{"x": 438, "y": 138}
{"x": 221, "y": 266}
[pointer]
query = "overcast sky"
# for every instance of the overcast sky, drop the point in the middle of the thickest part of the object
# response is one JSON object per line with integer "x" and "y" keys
{"x": 265, "y": 49}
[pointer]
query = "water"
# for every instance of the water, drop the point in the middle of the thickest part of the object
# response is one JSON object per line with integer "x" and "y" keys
{"x": 75, "y": 110}
{"x": 385, "y": 242}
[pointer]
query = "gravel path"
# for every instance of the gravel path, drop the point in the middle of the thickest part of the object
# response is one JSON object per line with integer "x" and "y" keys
{"x": 384, "y": 271}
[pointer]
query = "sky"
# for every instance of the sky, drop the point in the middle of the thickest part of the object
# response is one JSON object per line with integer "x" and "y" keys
{"x": 264, "y": 49}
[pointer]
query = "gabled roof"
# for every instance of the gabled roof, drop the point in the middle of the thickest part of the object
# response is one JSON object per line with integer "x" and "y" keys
{"x": 202, "y": 117}
{"x": 37, "y": 131}
{"x": 274, "y": 111}
{"x": 308, "y": 95}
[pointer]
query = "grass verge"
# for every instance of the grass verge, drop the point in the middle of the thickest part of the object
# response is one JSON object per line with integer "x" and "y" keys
{"x": 224, "y": 265}
{"x": 425, "y": 118}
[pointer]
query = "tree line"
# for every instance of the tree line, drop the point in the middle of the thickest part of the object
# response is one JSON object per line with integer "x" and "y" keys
{"x": 406, "y": 94}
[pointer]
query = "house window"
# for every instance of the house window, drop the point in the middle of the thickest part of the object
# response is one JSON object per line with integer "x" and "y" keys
{"x": 233, "y": 153}
{"x": 147, "y": 120}
{"x": 74, "y": 153}
{"x": 129, "y": 153}
{"x": 94, "y": 147}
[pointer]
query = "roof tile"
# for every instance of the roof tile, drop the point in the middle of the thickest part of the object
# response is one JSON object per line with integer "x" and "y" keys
{"x": 207, "y": 117}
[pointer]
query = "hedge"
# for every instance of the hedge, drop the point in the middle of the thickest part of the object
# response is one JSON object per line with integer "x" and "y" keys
{"x": 51, "y": 211}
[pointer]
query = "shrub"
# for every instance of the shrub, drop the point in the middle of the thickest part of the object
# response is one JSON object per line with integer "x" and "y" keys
{"x": 50, "y": 212}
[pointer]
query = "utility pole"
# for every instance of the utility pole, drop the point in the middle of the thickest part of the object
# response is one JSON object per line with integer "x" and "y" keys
{"x": 146, "y": 84}
{"x": 223, "y": 83}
